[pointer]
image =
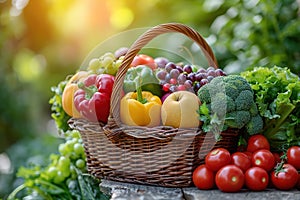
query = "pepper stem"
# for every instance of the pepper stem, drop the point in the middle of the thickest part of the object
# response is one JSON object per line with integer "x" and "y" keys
{"x": 139, "y": 90}
{"x": 89, "y": 91}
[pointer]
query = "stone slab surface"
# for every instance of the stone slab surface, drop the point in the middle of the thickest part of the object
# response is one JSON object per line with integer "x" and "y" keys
{"x": 124, "y": 191}
{"x": 127, "y": 191}
{"x": 269, "y": 194}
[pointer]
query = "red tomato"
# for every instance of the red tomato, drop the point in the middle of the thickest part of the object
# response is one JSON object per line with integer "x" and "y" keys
{"x": 257, "y": 142}
{"x": 241, "y": 160}
{"x": 142, "y": 59}
{"x": 230, "y": 178}
{"x": 203, "y": 178}
{"x": 217, "y": 158}
{"x": 293, "y": 156}
{"x": 264, "y": 159}
{"x": 286, "y": 178}
{"x": 256, "y": 179}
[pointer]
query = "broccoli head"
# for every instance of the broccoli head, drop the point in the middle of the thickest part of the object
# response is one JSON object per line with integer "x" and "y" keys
{"x": 232, "y": 99}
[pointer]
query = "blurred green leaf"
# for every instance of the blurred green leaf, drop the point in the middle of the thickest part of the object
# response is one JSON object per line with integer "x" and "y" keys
{"x": 291, "y": 29}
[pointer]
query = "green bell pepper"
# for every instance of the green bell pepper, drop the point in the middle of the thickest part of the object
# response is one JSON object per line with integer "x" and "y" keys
{"x": 146, "y": 78}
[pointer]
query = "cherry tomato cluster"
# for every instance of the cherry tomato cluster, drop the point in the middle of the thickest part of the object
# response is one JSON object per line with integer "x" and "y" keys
{"x": 256, "y": 168}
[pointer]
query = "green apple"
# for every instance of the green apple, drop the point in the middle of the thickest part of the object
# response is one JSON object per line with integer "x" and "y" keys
{"x": 180, "y": 110}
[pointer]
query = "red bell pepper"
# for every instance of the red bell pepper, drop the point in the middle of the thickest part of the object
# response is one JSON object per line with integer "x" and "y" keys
{"x": 92, "y": 99}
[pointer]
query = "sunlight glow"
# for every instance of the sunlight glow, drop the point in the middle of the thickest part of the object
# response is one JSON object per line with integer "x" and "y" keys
{"x": 121, "y": 18}
{"x": 28, "y": 65}
{"x": 20, "y": 4}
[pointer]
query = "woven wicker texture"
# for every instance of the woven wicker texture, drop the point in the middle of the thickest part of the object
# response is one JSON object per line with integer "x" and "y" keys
{"x": 163, "y": 156}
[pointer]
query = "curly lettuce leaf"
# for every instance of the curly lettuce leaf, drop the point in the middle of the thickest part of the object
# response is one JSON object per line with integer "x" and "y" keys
{"x": 277, "y": 95}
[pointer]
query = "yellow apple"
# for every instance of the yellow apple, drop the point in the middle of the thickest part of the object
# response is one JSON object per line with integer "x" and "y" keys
{"x": 180, "y": 110}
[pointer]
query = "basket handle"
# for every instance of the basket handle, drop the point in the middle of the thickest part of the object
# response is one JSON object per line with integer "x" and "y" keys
{"x": 139, "y": 44}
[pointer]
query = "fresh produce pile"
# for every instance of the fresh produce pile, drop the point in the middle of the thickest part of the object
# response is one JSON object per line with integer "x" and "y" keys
{"x": 256, "y": 168}
{"x": 160, "y": 92}
{"x": 261, "y": 103}
{"x": 268, "y": 159}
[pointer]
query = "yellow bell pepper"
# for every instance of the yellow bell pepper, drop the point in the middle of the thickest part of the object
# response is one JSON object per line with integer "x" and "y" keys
{"x": 135, "y": 111}
{"x": 68, "y": 94}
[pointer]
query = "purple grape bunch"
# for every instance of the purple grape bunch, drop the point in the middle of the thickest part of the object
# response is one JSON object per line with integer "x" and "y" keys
{"x": 175, "y": 77}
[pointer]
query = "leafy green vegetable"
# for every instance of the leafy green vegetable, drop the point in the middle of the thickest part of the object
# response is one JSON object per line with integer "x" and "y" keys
{"x": 61, "y": 177}
{"x": 277, "y": 95}
{"x": 58, "y": 114}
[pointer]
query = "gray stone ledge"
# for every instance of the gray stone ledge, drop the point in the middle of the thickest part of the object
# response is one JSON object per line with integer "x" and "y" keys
{"x": 125, "y": 191}
{"x": 269, "y": 194}
{"x": 128, "y": 191}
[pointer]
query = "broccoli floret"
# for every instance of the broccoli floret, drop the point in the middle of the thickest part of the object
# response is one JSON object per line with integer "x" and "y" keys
{"x": 231, "y": 106}
{"x": 253, "y": 109}
{"x": 222, "y": 103}
{"x": 219, "y": 104}
{"x": 238, "y": 81}
{"x": 227, "y": 85}
{"x": 245, "y": 100}
{"x": 217, "y": 80}
{"x": 203, "y": 94}
{"x": 237, "y": 119}
{"x": 232, "y": 91}
{"x": 255, "y": 125}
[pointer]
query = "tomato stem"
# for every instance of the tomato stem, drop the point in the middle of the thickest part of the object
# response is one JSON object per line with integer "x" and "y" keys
{"x": 234, "y": 179}
{"x": 257, "y": 162}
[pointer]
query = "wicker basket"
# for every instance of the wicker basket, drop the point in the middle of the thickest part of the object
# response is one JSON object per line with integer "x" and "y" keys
{"x": 162, "y": 156}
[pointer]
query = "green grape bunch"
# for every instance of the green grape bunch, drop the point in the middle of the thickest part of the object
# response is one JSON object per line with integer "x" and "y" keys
{"x": 63, "y": 177}
{"x": 108, "y": 63}
{"x": 71, "y": 156}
